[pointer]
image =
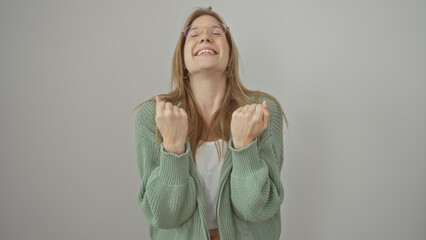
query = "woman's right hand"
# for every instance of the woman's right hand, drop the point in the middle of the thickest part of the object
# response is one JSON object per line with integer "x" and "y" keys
{"x": 172, "y": 122}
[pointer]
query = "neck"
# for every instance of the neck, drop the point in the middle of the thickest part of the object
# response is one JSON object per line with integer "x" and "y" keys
{"x": 208, "y": 91}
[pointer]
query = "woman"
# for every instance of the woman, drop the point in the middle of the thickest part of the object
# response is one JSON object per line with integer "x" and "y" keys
{"x": 189, "y": 191}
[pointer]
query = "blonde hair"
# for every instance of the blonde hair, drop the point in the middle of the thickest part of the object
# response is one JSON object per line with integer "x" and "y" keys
{"x": 236, "y": 95}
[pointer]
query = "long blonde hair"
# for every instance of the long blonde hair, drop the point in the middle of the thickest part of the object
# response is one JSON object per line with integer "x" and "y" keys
{"x": 236, "y": 95}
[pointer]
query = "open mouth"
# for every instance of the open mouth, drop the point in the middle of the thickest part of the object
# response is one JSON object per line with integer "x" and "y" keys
{"x": 205, "y": 52}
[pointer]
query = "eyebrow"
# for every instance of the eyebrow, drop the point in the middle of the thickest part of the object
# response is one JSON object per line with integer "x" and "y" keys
{"x": 196, "y": 26}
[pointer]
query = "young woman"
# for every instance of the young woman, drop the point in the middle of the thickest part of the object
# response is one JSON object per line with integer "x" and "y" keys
{"x": 210, "y": 152}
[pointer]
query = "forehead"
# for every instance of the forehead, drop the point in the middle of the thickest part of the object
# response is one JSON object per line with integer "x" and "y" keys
{"x": 205, "y": 20}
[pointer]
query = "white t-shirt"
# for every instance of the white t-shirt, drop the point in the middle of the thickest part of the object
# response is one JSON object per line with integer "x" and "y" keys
{"x": 209, "y": 168}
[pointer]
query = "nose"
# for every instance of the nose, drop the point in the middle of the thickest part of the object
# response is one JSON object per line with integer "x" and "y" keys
{"x": 205, "y": 36}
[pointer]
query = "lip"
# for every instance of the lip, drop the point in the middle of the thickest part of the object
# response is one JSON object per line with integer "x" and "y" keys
{"x": 205, "y": 47}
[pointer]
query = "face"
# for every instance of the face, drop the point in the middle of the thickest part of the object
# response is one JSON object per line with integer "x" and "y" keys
{"x": 197, "y": 62}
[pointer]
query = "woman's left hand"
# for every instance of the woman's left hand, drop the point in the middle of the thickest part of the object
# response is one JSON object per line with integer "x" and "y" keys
{"x": 247, "y": 123}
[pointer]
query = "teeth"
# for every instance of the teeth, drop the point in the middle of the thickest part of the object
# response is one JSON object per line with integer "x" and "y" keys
{"x": 205, "y": 51}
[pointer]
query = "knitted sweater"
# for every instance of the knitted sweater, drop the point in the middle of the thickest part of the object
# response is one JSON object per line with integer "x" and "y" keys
{"x": 250, "y": 188}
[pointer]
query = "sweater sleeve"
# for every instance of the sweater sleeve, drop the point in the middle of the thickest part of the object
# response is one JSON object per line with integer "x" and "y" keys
{"x": 167, "y": 195}
{"x": 256, "y": 187}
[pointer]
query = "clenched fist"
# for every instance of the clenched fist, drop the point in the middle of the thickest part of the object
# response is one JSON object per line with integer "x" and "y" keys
{"x": 247, "y": 123}
{"x": 172, "y": 122}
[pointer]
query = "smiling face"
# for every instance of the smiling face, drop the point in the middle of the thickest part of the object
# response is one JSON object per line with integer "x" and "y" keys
{"x": 206, "y": 52}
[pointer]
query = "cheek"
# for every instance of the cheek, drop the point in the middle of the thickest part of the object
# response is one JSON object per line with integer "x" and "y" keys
{"x": 187, "y": 52}
{"x": 227, "y": 53}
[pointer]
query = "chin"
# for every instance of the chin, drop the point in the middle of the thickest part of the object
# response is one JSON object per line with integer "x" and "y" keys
{"x": 204, "y": 67}
{"x": 209, "y": 69}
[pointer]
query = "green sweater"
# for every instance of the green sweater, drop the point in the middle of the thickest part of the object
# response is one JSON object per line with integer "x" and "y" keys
{"x": 251, "y": 192}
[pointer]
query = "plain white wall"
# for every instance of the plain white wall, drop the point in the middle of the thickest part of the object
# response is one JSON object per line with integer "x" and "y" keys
{"x": 350, "y": 76}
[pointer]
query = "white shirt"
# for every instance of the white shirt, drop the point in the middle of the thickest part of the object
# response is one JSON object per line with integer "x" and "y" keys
{"x": 209, "y": 168}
